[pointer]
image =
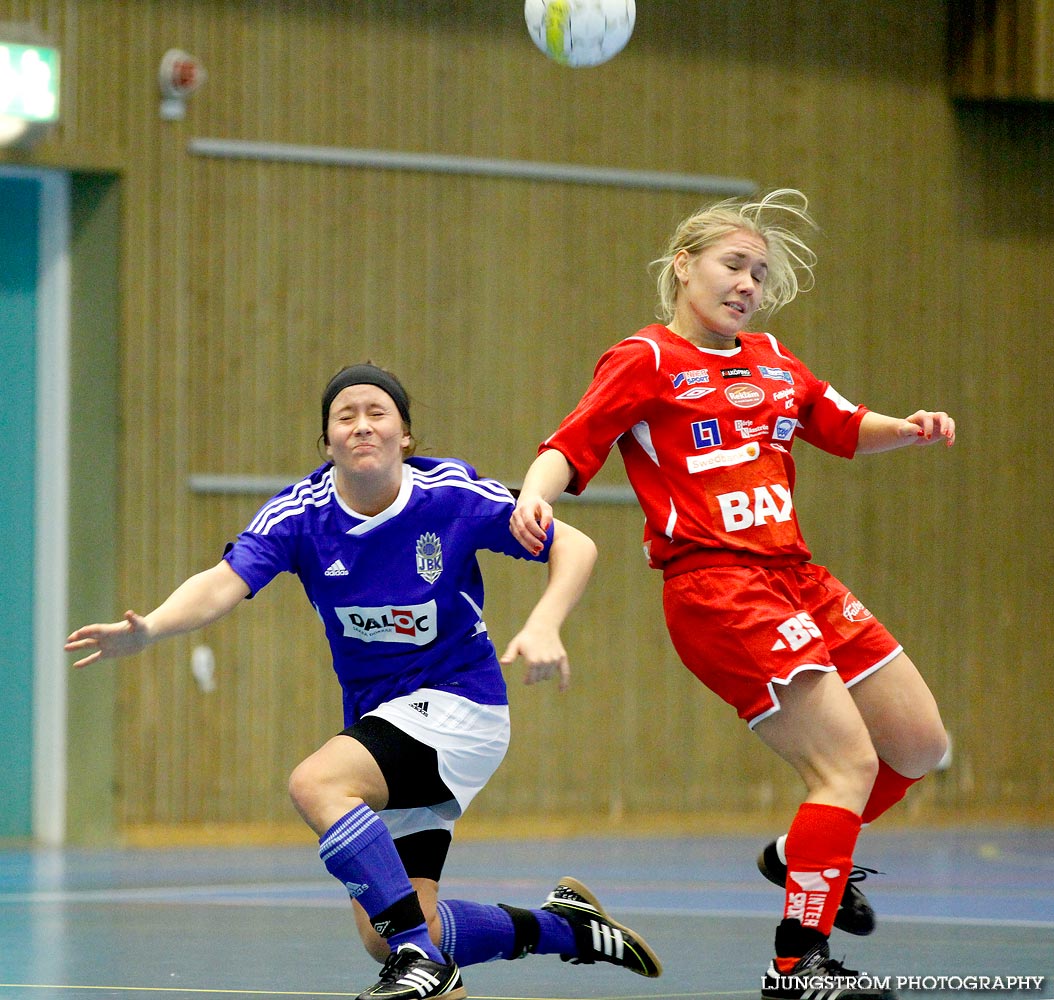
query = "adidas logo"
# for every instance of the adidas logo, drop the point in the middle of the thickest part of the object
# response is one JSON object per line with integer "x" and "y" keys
{"x": 420, "y": 981}
{"x": 356, "y": 889}
{"x": 607, "y": 940}
{"x": 420, "y": 706}
{"x": 337, "y": 569}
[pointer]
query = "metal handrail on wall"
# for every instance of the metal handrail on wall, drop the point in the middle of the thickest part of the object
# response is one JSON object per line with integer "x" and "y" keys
{"x": 440, "y": 163}
{"x": 266, "y": 486}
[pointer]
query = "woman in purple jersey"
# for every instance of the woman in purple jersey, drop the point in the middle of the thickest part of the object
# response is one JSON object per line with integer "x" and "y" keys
{"x": 704, "y": 413}
{"x": 383, "y": 795}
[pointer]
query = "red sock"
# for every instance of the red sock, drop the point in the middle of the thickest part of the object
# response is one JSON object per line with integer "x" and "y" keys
{"x": 887, "y": 791}
{"x": 819, "y": 852}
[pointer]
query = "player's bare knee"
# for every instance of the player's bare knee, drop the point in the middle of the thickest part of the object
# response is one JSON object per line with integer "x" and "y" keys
{"x": 304, "y": 787}
{"x": 933, "y": 747}
{"x": 920, "y": 750}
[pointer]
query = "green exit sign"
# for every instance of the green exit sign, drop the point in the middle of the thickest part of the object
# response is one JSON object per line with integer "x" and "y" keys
{"x": 29, "y": 82}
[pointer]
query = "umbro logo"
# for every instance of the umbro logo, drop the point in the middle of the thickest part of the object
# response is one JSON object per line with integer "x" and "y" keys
{"x": 420, "y": 706}
{"x": 337, "y": 569}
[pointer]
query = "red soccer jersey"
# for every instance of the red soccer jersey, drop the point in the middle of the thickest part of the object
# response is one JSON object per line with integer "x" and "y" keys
{"x": 706, "y": 437}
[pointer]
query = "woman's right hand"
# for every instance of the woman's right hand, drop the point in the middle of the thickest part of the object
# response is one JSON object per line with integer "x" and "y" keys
{"x": 109, "y": 641}
{"x": 530, "y": 521}
{"x": 548, "y": 476}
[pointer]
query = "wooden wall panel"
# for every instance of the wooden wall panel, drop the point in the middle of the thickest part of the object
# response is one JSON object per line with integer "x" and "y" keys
{"x": 246, "y": 284}
{"x": 1002, "y": 50}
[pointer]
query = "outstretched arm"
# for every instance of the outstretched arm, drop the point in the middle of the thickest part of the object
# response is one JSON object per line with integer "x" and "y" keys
{"x": 923, "y": 427}
{"x": 546, "y": 479}
{"x": 195, "y": 603}
{"x": 571, "y": 559}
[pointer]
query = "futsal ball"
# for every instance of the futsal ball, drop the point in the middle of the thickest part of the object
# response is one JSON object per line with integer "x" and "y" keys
{"x": 580, "y": 32}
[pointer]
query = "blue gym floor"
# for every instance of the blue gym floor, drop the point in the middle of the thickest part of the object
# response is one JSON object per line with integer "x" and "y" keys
{"x": 269, "y": 922}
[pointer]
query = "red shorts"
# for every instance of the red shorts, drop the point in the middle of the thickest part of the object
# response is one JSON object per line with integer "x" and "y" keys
{"x": 743, "y": 630}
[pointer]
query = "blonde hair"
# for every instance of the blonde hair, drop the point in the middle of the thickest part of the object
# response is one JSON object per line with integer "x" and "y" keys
{"x": 790, "y": 261}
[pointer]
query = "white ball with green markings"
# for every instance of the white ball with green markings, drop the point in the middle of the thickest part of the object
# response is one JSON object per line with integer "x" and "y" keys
{"x": 580, "y": 32}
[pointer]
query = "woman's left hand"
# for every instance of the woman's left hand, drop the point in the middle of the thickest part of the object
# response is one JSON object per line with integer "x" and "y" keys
{"x": 544, "y": 655}
{"x": 932, "y": 427}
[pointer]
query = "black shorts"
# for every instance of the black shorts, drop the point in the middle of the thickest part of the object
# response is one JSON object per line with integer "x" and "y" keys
{"x": 411, "y": 772}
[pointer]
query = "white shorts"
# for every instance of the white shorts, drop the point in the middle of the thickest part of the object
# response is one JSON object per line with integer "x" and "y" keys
{"x": 470, "y": 741}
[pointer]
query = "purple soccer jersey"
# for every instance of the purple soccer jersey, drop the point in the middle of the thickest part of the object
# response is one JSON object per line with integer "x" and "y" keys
{"x": 400, "y": 594}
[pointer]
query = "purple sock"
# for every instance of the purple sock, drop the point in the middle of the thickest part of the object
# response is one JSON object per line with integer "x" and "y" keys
{"x": 484, "y": 932}
{"x": 359, "y": 852}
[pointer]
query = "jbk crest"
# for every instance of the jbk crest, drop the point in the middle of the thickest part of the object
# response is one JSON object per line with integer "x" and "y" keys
{"x": 429, "y": 557}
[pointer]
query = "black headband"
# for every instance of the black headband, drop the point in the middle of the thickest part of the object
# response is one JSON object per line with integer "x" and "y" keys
{"x": 365, "y": 375}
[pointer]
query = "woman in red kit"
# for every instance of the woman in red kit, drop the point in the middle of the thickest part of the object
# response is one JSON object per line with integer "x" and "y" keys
{"x": 705, "y": 415}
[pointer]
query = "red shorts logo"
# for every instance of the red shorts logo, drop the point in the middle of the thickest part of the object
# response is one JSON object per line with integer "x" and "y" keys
{"x": 854, "y": 610}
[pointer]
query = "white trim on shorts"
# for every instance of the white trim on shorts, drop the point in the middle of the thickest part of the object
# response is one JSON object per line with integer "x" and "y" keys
{"x": 823, "y": 668}
{"x": 470, "y": 741}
